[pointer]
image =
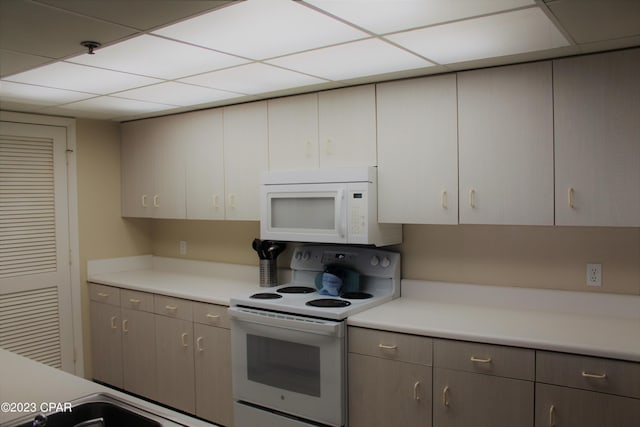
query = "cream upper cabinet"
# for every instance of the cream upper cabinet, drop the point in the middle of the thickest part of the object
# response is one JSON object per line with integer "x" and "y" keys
{"x": 245, "y": 159}
{"x": 505, "y": 118}
{"x": 153, "y": 174}
{"x": 597, "y": 139}
{"x": 203, "y": 142}
{"x": 347, "y": 127}
{"x": 417, "y": 151}
{"x": 293, "y": 132}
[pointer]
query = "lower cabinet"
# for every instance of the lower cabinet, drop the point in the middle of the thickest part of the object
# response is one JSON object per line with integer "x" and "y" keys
{"x": 106, "y": 342}
{"x": 138, "y": 352}
{"x": 389, "y": 379}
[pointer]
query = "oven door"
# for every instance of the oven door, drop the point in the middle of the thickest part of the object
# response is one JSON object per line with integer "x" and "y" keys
{"x": 291, "y": 364}
{"x": 304, "y": 213}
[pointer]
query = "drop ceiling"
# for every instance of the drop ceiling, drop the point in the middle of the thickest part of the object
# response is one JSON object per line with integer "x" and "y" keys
{"x": 160, "y": 57}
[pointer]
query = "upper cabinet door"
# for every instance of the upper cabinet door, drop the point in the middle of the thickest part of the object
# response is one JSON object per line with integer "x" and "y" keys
{"x": 136, "y": 170}
{"x": 417, "y": 151}
{"x": 506, "y": 145}
{"x": 293, "y": 132}
{"x": 245, "y": 158}
{"x": 347, "y": 127}
{"x": 203, "y": 143}
{"x": 597, "y": 130}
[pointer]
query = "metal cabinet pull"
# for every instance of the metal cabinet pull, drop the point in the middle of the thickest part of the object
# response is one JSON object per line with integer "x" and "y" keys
{"x": 125, "y": 326}
{"x": 416, "y": 395}
{"x": 596, "y": 376}
{"x": 472, "y": 198}
{"x": 113, "y": 323}
{"x": 103, "y": 295}
{"x": 216, "y": 202}
{"x": 570, "y": 197}
{"x": 328, "y": 147}
{"x": 171, "y": 308}
{"x": 213, "y": 317}
{"x": 387, "y": 346}
{"x": 134, "y": 301}
{"x": 183, "y": 338}
{"x": 480, "y": 360}
{"x": 143, "y": 200}
{"x": 232, "y": 201}
{"x": 198, "y": 342}
{"x": 156, "y": 201}
{"x": 445, "y": 396}
{"x": 443, "y": 199}
{"x": 552, "y": 415}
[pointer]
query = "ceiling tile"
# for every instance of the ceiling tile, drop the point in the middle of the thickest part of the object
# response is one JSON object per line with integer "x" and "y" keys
{"x": 140, "y": 14}
{"x": 157, "y": 57}
{"x": 507, "y": 33}
{"x": 386, "y": 16}
{"x": 260, "y": 29}
{"x": 63, "y": 75}
{"x": 352, "y": 60}
{"x": 37, "y": 95}
{"x": 37, "y": 29}
{"x": 107, "y": 107}
{"x": 14, "y": 62}
{"x": 253, "y": 79}
{"x": 177, "y": 94}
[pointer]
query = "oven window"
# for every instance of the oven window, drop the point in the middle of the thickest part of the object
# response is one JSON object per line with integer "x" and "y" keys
{"x": 283, "y": 364}
{"x": 307, "y": 213}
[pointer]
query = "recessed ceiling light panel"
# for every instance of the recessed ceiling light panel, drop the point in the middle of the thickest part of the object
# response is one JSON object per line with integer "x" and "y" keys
{"x": 179, "y": 94}
{"x": 108, "y": 107}
{"x": 37, "y": 95}
{"x": 260, "y": 29}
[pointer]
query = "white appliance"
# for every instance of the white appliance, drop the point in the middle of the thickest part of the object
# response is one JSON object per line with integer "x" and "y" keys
{"x": 289, "y": 342}
{"x": 324, "y": 206}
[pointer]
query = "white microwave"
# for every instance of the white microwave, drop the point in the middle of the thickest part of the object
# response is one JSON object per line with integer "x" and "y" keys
{"x": 324, "y": 206}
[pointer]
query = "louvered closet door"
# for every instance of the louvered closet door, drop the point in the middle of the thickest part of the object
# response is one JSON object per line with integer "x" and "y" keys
{"x": 35, "y": 288}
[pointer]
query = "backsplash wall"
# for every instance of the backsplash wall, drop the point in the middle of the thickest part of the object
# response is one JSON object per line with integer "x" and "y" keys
{"x": 537, "y": 257}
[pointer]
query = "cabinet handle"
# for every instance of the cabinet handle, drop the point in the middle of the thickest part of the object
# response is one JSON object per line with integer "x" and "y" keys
{"x": 416, "y": 395}
{"x": 171, "y": 308}
{"x": 388, "y": 347}
{"x": 125, "y": 326}
{"x": 308, "y": 149}
{"x": 552, "y": 415}
{"x": 472, "y": 198}
{"x": 443, "y": 199}
{"x": 156, "y": 201}
{"x": 134, "y": 301}
{"x": 103, "y": 295}
{"x": 480, "y": 360}
{"x": 183, "y": 338}
{"x": 198, "y": 342}
{"x": 570, "y": 197}
{"x": 232, "y": 201}
{"x": 113, "y": 323}
{"x": 596, "y": 376}
{"x": 213, "y": 316}
{"x": 216, "y": 201}
{"x": 445, "y": 396}
{"x": 143, "y": 200}
{"x": 328, "y": 147}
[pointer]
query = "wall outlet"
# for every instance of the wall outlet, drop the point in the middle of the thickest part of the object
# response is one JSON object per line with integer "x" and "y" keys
{"x": 594, "y": 274}
{"x": 183, "y": 247}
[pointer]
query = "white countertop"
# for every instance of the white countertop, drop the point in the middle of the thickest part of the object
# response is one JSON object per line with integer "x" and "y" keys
{"x": 603, "y": 325}
{"x": 26, "y": 381}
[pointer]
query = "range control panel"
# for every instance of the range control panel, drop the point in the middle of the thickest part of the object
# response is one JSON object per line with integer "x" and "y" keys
{"x": 367, "y": 261}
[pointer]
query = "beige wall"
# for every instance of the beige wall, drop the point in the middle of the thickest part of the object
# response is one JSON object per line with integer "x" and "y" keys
{"x": 102, "y": 232}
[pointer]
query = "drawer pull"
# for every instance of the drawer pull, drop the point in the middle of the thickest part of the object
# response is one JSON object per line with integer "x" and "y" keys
{"x": 213, "y": 316}
{"x": 113, "y": 323}
{"x": 596, "y": 376}
{"x": 552, "y": 415}
{"x": 134, "y": 301}
{"x": 388, "y": 347}
{"x": 171, "y": 308}
{"x": 571, "y": 198}
{"x": 198, "y": 342}
{"x": 445, "y": 396}
{"x": 480, "y": 360}
{"x": 103, "y": 295}
{"x": 183, "y": 338}
{"x": 416, "y": 387}
{"x": 125, "y": 326}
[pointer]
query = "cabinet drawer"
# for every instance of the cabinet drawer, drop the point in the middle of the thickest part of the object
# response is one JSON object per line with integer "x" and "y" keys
{"x": 391, "y": 345}
{"x": 589, "y": 373}
{"x": 211, "y": 314}
{"x": 173, "y": 307}
{"x": 136, "y": 300}
{"x": 485, "y": 358}
{"x": 104, "y": 294}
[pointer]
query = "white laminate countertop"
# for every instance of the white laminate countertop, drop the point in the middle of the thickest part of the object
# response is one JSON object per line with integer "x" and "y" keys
{"x": 603, "y": 325}
{"x": 23, "y": 381}
{"x": 196, "y": 280}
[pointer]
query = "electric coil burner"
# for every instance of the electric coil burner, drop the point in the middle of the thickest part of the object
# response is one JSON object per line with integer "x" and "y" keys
{"x": 265, "y": 295}
{"x": 328, "y": 302}
{"x": 296, "y": 290}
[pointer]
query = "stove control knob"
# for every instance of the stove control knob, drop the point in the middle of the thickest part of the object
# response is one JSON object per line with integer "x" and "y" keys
{"x": 298, "y": 256}
{"x": 374, "y": 260}
{"x": 385, "y": 262}
{"x": 306, "y": 255}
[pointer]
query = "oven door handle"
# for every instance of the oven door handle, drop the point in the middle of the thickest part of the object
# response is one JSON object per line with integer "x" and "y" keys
{"x": 287, "y": 321}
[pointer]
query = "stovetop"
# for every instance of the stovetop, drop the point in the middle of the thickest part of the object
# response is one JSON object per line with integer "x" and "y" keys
{"x": 379, "y": 282}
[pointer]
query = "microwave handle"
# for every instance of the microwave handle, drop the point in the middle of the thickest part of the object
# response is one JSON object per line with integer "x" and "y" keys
{"x": 341, "y": 218}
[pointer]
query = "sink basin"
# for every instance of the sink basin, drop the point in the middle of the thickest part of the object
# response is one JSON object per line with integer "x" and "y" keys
{"x": 97, "y": 410}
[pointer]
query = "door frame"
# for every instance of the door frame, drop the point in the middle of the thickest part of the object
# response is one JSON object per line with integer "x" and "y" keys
{"x": 72, "y": 200}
